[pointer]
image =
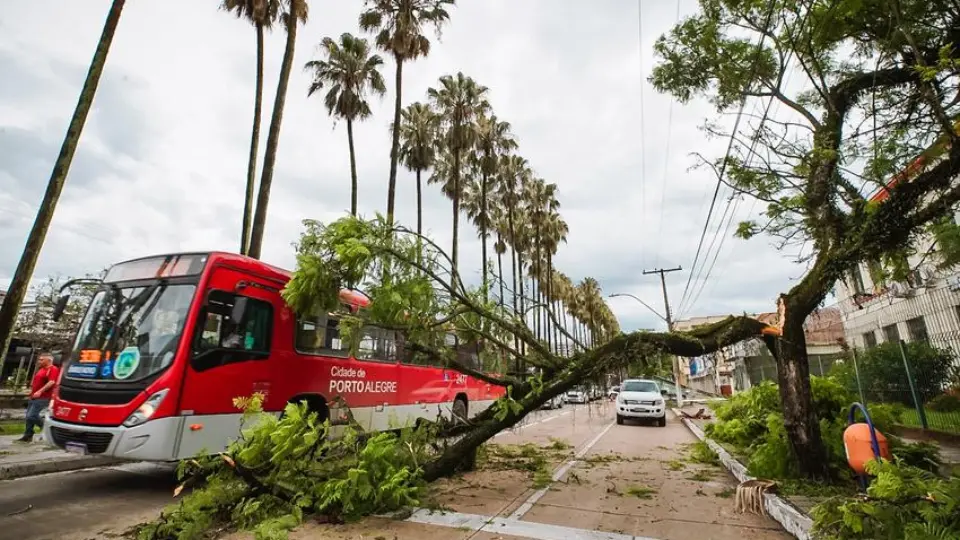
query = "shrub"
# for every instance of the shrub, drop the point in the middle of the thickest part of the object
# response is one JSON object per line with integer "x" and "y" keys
{"x": 752, "y": 422}
{"x": 882, "y": 374}
{"x": 901, "y": 502}
{"x": 945, "y": 403}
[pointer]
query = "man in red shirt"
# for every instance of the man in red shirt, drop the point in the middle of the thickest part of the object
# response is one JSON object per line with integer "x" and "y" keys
{"x": 41, "y": 392}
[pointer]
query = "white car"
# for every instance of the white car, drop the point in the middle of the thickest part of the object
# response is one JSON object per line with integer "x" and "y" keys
{"x": 555, "y": 402}
{"x": 576, "y": 396}
{"x": 641, "y": 399}
{"x": 612, "y": 393}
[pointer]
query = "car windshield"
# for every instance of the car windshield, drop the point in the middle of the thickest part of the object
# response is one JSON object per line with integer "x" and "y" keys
{"x": 640, "y": 386}
{"x": 130, "y": 333}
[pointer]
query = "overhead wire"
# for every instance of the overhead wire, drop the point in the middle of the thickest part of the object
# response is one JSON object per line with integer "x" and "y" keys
{"x": 723, "y": 166}
{"x": 643, "y": 146}
{"x": 798, "y": 25}
{"x": 666, "y": 166}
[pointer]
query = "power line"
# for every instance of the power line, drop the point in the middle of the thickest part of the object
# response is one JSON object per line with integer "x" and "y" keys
{"x": 723, "y": 166}
{"x": 643, "y": 146}
{"x": 666, "y": 165}
{"x": 798, "y": 25}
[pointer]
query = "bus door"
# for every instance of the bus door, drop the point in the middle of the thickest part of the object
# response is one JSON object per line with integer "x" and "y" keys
{"x": 230, "y": 358}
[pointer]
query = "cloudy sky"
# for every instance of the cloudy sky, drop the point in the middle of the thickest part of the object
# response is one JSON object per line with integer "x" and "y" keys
{"x": 161, "y": 165}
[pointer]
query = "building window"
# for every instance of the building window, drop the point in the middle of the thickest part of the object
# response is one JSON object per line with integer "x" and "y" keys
{"x": 869, "y": 339}
{"x": 856, "y": 280}
{"x": 891, "y": 333}
{"x": 917, "y": 329}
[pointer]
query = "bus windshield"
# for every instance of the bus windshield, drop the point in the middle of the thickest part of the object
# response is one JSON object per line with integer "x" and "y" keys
{"x": 130, "y": 333}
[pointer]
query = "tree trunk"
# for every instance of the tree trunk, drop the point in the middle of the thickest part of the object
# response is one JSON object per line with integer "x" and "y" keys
{"x": 254, "y": 148}
{"x": 483, "y": 233}
{"x": 419, "y": 203}
{"x": 395, "y": 142}
{"x": 500, "y": 269}
{"x": 606, "y": 359}
{"x": 456, "y": 207}
{"x": 273, "y": 141}
{"x": 353, "y": 170}
{"x": 38, "y": 233}
{"x": 523, "y": 303}
{"x": 800, "y": 420}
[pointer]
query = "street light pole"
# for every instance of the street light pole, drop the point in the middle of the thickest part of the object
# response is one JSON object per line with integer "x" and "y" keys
{"x": 669, "y": 321}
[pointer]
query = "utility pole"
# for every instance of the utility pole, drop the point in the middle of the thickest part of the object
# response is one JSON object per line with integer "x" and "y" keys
{"x": 669, "y": 318}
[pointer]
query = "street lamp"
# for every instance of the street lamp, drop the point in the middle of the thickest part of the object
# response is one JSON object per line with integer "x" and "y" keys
{"x": 676, "y": 361}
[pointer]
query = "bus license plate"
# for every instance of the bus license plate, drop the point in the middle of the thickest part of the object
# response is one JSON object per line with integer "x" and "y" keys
{"x": 76, "y": 448}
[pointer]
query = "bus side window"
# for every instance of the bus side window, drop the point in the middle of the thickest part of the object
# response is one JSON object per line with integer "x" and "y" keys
{"x": 319, "y": 335}
{"x": 221, "y": 340}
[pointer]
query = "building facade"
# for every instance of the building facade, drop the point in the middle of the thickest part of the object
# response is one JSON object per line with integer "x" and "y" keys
{"x": 742, "y": 365}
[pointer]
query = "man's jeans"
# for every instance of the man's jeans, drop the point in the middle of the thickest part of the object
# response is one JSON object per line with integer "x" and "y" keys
{"x": 34, "y": 408}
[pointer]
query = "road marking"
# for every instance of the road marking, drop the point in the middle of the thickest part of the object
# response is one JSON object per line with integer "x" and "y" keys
{"x": 545, "y": 420}
{"x": 513, "y": 527}
{"x": 558, "y": 474}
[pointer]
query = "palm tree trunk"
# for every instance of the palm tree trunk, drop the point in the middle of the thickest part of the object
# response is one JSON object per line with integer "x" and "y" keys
{"x": 353, "y": 170}
{"x": 419, "y": 203}
{"x": 254, "y": 147}
{"x": 500, "y": 270}
{"x": 456, "y": 207}
{"x": 273, "y": 140}
{"x": 38, "y": 233}
{"x": 516, "y": 312}
{"x": 395, "y": 143}
{"x": 483, "y": 233}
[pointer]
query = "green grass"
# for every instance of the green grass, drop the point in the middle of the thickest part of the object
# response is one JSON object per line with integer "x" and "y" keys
{"x": 16, "y": 427}
{"x": 947, "y": 422}
{"x": 641, "y": 492}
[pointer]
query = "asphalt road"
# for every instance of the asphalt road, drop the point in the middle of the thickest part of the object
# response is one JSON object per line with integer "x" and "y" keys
{"x": 81, "y": 505}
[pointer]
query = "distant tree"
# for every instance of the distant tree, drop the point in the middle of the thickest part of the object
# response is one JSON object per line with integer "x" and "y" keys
{"x": 349, "y": 72}
{"x": 398, "y": 26}
{"x": 36, "y": 325}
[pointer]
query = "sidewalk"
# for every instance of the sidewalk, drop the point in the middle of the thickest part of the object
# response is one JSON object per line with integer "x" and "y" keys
{"x": 18, "y": 460}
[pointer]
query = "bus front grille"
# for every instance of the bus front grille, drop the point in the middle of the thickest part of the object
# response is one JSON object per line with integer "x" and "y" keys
{"x": 97, "y": 443}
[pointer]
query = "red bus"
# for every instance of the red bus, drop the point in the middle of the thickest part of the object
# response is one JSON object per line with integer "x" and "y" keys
{"x": 169, "y": 341}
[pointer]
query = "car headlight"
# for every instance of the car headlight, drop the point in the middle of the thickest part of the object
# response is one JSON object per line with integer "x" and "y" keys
{"x": 145, "y": 411}
{"x": 659, "y": 403}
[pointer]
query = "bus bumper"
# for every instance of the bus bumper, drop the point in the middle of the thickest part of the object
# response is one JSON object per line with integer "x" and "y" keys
{"x": 154, "y": 440}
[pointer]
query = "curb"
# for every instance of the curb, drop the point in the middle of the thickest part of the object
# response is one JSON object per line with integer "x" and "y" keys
{"x": 789, "y": 517}
{"x": 33, "y": 468}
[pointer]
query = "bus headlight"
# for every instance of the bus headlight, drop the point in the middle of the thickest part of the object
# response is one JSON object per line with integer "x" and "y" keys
{"x": 145, "y": 411}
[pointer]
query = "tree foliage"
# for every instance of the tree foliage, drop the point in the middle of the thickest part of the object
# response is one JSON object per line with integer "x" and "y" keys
{"x": 875, "y": 111}
{"x": 35, "y": 325}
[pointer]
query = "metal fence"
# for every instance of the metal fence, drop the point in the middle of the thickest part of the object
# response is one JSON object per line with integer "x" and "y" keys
{"x": 920, "y": 378}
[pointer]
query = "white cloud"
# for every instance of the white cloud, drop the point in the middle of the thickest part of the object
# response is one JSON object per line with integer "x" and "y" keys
{"x": 162, "y": 162}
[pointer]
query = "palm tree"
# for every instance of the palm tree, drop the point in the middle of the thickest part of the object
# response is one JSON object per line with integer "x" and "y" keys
{"x": 38, "y": 233}
{"x": 398, "y": 25}
{"x": 459, "y": 101}
{"x": 555, "y": 231}
{"x": 591, "y": 302}
{"x": 262, "y": 14}
{"x": 294, "y": 14}
{"x": 493, "y": 140}
{"x": 514, "y": 172}
{"x": 349, "y": 71}
{"x": 418, "y": 150}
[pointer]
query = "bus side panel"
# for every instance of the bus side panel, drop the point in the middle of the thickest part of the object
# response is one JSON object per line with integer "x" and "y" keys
{"x": 370, "y": 388}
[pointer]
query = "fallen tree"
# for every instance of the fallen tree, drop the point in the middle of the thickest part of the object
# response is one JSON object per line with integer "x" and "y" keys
{"x": 875, "y": 111}
{"x": 282, "y": 469}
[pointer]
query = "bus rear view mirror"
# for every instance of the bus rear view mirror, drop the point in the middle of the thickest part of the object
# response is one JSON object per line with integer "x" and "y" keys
{"x": 60, "y": 307}
{"x": 239, "y": 309}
